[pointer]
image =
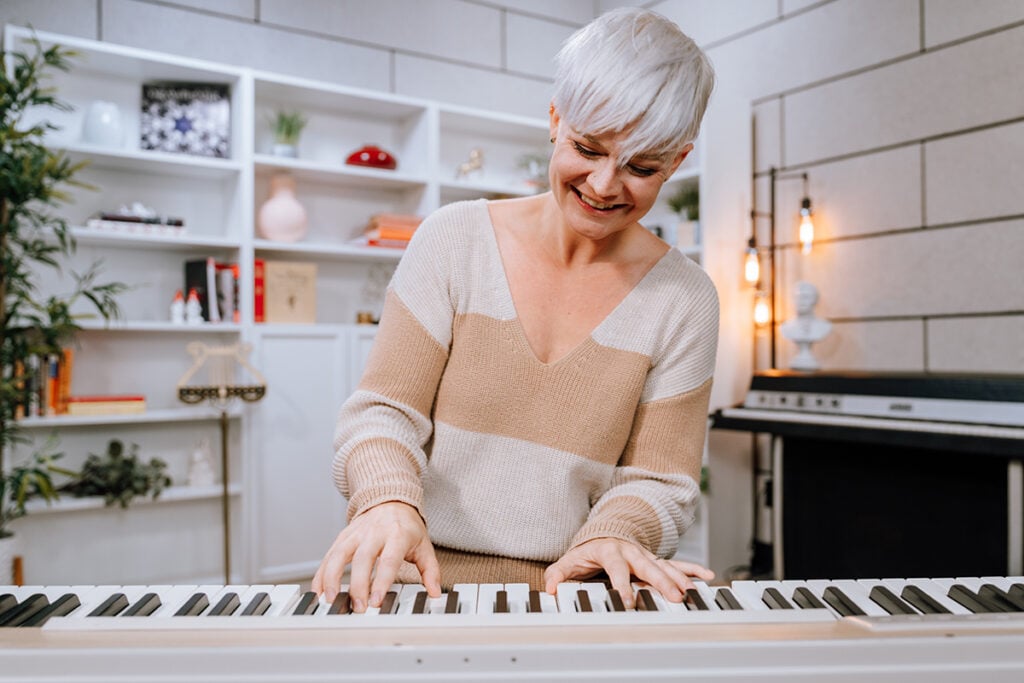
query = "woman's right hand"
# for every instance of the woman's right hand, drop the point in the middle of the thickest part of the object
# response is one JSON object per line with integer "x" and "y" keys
{"x": 381, "y": 537}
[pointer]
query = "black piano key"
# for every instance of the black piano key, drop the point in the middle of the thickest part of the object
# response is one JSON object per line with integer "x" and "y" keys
{"x": 533, "y": 606}
{"x": 805, "y": 599}
{"x": 111, "y": 607}
{"x": 388, "y": 604}
{"x": 342, "y": 604}
{"x": 258, "y": 606}
{"x": 307, "y": 604}
{"x": 889, "y": 601}
{"x": 774, "y": 598}
{"x": 226, "y": 606}
{"x": 144, "y": 606}
{"x": 24, "y": 610}
{"x": 194, "y": 606}
{"x": 7, "y": 601}
{"x": 971, "y": 600}
{"x": 842, "y": 603}
{"x": 451, "y": 605}
{"x": 501, "y": 602}
{"x": 921, "y": 601}
{"x": 645, "y": 601}
{"x": 694, "y": 600}
{"x": 998, "y": 595}
{"x": 419, "y": 605}
{"x": 583, "y": 601}
{"x": 1016, "y": 591}
{"x": 61, "y": 607}
{"x": 726, "y": 600}
{"x": 615, "y": 601}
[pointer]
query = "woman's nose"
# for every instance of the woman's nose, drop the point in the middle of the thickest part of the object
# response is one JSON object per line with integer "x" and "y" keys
{"x": 604, "y": 179}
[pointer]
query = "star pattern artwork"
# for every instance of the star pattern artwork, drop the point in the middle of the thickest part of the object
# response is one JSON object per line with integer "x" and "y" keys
{"x": 187, "y": 118}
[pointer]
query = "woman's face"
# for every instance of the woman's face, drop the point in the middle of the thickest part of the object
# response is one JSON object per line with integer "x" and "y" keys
{"x": 597, "y": 193}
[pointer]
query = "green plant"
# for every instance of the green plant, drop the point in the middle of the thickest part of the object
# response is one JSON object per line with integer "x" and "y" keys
{"x": 288, "y": 126}
{"x": 33, "y": 241}
{"x": 30, "y": 480}
{"x": 686, "y": 202}
{"x": 119, "y": 477}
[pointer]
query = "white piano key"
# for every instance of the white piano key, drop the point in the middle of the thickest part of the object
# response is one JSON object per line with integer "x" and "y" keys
{"x": 751, "y": 593}
{"x": 929, "y": 587}
{"x": 407, "y": 597}
{"x": 283, "y": 599}
{"x": 746, "y": 603}
{"x": 859, "y": 595}
{"x": 548, "y": 603}
{"x": 708, "y": 594}
{"x": 565, "y": 595}
{"x": 91, "y": 597}
{"x": 486, "y": 595}
{"x": 598, "y": 594}
{"x": 518, "y": 597}
{"x": 172, "y": 598}
{"x": 467, "y": 597}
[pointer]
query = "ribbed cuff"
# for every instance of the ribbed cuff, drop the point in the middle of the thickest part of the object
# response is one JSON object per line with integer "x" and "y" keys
{"x": 629, "y": 518}
{"x": 382, "y": 470}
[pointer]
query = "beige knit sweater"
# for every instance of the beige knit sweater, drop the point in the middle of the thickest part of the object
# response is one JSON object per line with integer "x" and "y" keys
{"x": 512, "y": 461}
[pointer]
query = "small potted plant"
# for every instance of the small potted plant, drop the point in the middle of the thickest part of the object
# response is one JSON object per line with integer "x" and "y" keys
{"x": 118, "y": 477}
{"x": 287, "y": 129}
{"x": 685, "y": 203}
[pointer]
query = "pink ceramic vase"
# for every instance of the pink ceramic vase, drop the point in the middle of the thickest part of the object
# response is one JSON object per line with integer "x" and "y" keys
{"x": 282, "y": 218}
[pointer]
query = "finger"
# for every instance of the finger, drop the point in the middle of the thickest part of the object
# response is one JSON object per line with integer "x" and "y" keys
{"x": 388, "y": 564}
{"x": 553, "y": 576}
{"x": 662, "y": 577}
{"x": 620, "y": 575}
{"x": 696, "y": 570}
{"x": 430, "y": 571}
{"x": 328, "y": 577}
{"x": 360, "y": 574}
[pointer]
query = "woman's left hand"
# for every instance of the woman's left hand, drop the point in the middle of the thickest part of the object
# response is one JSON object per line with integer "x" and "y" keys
{"x": 621, "y": 561}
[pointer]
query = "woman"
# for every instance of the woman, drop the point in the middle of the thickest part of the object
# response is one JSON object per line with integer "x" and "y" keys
{"x": 538, "y": 391}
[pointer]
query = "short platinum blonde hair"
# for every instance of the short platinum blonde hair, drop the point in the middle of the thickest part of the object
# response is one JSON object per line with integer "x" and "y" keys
{"x": 633, "y": 70}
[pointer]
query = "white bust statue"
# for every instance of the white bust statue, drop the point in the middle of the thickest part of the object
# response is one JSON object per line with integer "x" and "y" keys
{"x": 805, "y": 329}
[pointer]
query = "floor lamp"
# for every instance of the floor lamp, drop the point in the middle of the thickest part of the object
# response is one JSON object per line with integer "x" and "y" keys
{"x": 221, "y": 391}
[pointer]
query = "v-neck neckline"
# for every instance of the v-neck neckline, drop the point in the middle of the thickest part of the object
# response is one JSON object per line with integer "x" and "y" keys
{"x": 502, "y": 286}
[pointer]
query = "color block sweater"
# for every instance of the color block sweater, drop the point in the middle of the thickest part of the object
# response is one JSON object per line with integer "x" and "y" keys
{"x": 512, "y": 461}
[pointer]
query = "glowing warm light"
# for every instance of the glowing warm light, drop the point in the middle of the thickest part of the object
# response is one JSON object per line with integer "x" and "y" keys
{"x": 751, "y": 266}
{"x": 762, "y": 312}
{"x": 806, "y": 227}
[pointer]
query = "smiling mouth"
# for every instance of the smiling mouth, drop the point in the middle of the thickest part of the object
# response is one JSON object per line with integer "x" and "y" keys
{"x": 598, "y": 206}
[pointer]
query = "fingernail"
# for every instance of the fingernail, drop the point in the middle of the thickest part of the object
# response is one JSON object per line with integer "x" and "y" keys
{"x": 358, "y": 606}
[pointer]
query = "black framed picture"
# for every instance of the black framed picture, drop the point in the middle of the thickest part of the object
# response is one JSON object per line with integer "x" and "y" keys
{"x": 188, "y": 118}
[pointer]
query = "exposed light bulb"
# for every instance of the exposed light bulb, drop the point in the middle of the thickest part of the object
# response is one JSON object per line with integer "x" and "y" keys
{"x": 752, "y": 265}
{"x": 762, "y": 312}
{"x": 806, "y": 226}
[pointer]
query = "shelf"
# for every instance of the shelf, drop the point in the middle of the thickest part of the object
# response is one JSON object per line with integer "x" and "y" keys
{"x": 170, "y": 415}
{"x": 152, "y": 163}
{"x": 338, "y": 174}
{"x": 356, "y": 249}
{"x": 110, "y": 238}
{"x": 456, "y": 190}
{"x": 159, "y": 326}
{"x": 173, "y": 494}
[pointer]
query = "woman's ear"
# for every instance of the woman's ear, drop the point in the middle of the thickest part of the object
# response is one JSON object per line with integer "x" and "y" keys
{"x": 680, "y": 156}
{"x": 553, "y": 120}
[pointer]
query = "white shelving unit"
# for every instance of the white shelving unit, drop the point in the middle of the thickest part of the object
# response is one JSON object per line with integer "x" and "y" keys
{"x": 286, "y": 510}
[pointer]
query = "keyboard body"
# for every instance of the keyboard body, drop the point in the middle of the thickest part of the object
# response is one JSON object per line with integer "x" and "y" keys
{"x": 798, "y": 630}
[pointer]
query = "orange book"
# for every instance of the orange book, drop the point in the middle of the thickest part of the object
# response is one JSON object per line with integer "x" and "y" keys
{"x": 67, "y": 361}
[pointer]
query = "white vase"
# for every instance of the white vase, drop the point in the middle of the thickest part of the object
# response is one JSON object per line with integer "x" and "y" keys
{"x": 281, "y": 149}
{"x": 8, "y": 551}
{"x": 282, "y": 218}
{"x": 102, "y": 125}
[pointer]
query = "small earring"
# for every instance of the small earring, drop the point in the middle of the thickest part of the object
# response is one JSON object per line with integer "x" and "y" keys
{"x": 552, "y": 140}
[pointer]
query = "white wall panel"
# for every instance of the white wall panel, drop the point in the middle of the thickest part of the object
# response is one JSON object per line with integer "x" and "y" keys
{"x": 466, "y": 32}
{"x": 244, "y": 9}
{"x": 984, "y": 345}
{"x": 179, "y": 31}
{"x": 577, "y": 12}
{"x": 767, "y": 134}
{"x": 946, "y": 20}
{"x": 533, "y": 43}
{"x": 709, "y": 20}
{"x": 70, "y": 17}
{"x": 471, "y": 87}
{"x": 978, "y": 175}
{"x": 878, "y": 346}
{"x": 970, "y": 84}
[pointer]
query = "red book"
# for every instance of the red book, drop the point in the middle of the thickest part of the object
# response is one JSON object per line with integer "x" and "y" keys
{"x": 106, "y": 398}
{"x": 258, "y": 292}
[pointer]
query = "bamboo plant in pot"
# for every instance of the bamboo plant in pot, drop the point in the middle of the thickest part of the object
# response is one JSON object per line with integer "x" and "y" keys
{"x": 35, "y": 241}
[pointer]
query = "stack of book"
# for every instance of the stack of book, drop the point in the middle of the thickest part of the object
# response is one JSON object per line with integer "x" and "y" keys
{"x": 216, "y": 284}
{"x": 103, "y": 404}
{"x": 45, "y": 383}
{"x": 391, "y": 229}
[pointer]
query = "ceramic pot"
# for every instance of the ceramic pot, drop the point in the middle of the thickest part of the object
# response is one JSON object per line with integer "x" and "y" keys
{"x": 281, "y": 149}
{"x": 282, "y": 218}
{"x": 102, "y": 125}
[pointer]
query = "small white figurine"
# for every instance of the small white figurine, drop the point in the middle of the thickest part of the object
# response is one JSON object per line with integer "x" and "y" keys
{"x": 200, "y": 467}
{"x": 178, "y": 309}
{"x": 193, "y": 309}
{"x": 805, "y": 329}
{"x": 474, "y": 165}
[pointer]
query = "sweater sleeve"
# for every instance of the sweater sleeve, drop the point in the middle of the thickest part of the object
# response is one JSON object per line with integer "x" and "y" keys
{"x": 655, "y": 488}
{"x": 383, "y": 429}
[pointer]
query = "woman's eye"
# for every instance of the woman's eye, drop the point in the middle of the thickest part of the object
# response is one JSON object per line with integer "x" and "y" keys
{"x": 588, "y": 153}
{"x": 641, "y": 171}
